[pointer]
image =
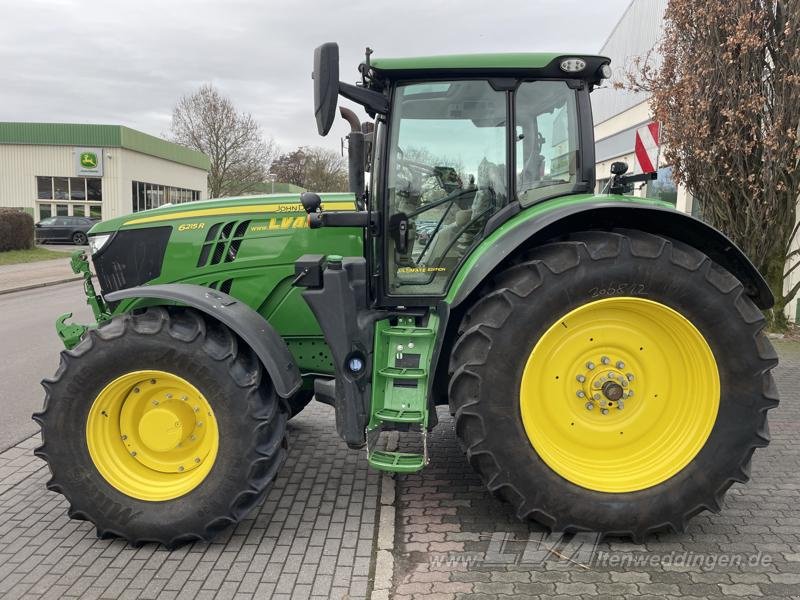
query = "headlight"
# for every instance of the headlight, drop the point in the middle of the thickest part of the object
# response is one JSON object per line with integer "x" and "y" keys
{"x": 96, "y": 242}
{"x": 573, "y": 65}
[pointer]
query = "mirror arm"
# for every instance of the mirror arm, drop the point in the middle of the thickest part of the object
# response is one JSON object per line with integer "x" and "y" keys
{"x": 374, "y": 102}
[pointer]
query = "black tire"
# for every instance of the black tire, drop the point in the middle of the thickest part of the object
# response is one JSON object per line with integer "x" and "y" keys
{"x": 251, "y": 420}
{"x": 299, "y": 401}
{"x": 499, "y": 331}
{"x": 79, "y": 238}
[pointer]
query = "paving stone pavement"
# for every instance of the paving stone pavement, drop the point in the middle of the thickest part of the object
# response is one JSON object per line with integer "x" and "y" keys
{"x": 450, "y": 530}
{"x": 312, "y": 537}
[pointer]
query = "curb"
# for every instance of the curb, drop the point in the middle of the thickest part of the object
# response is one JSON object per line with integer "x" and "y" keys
{"x": 384, "y": 559}
{"x": 33, "y": 286}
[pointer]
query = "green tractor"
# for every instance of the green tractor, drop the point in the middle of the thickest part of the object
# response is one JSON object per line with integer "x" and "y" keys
{"x": 602, "y": 355}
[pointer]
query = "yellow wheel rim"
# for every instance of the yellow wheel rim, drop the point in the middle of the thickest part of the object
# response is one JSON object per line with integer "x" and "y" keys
{"x": 152, "y": 435}
{"x": 620, "y": 394}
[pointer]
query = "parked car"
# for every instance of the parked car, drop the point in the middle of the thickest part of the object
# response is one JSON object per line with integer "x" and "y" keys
{"x": 64, "y": 229}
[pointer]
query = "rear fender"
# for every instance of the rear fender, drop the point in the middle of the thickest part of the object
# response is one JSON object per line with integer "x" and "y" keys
{"x": 239, "y": 317}
{"x": 607, "y": 214}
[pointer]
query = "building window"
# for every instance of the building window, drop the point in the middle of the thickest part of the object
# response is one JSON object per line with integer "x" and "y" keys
{"x": 94, "y": 189}
{"x": 77, "y": 188}
{"x": 145, "y": 196}
{"x": 64, "y": 196}
{"x": 663, "y": 188}
{"x": 61, "y": 188}
{"x": 44, "y": 188}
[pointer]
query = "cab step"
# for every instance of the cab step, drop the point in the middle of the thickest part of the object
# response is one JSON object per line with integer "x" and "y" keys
{"x": 401, "y": 375}
{"x": 396, "y": 462}
{"x": 392, "y": 415}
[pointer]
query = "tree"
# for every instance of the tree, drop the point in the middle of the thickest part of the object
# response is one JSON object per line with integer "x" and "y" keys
{"x": 290, "y": 167}
{"x": 726, "y": 93}
{"x": 240, "y": 156}
{"x": 313, "y": 168}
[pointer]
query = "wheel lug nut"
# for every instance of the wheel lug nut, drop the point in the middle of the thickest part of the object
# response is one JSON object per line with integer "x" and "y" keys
{"x": 629, "y": 376}
{"x": 580, "y": 378}
{"x": 133, "y": 453}
{"x": 169, "y": 396}
{"x": 589, "y": 406}
{"x": 630, "y": 393}
{"x": 590, "y": 365}
{"x": 580, "y": 394}
{"x": 597, "y": 384}
{"x": 620, "y": 364}
{"x": 184, "y": 398}
{"x": 596, "y": 396}
{"x": 152, "y": 382}
{"x": 180, "y": 468}
{"x": 197, "y": 460}
{"x": 605, "y": 360}
{"x": 604, "y": 411}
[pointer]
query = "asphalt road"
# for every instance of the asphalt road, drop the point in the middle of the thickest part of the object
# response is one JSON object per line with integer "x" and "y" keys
{"x": 30, "y": 350}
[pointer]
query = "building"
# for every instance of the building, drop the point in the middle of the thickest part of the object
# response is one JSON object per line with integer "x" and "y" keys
{"x": 102, "y": 171}
{"x": 618, "y": 113}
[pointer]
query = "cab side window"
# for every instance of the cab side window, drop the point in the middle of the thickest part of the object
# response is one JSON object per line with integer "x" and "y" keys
{"x": 446, "y": 177}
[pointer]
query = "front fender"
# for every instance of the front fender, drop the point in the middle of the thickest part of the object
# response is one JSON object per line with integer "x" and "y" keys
{"x": 539, "y": 224}
{"x": 239, "y": 317}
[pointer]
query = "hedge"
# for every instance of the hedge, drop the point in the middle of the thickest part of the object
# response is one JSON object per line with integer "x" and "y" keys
{"x": 16, "y": 230}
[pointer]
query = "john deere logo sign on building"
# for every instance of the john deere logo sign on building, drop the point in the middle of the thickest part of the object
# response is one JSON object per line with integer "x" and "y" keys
{"x": 89, "y": 162}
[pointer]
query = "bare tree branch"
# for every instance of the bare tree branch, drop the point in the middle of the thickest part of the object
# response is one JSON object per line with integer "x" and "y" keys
{"x": 240, "y": 156}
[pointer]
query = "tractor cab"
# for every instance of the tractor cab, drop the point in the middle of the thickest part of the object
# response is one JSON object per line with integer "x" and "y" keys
{"x": 459, "y": 144}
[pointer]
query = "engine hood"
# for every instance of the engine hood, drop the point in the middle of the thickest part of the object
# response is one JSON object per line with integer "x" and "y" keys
{"x": 278, "y": 205}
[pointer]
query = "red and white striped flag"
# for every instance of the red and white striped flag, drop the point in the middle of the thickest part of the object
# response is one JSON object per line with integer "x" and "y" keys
{"x": 646, "y": 148}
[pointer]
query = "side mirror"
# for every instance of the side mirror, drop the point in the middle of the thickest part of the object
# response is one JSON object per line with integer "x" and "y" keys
{"x": 619, "y": 168}
{"x": 38, "y": 225}
{"x": 311, "y": 202}
{"x": 326, "y": 85}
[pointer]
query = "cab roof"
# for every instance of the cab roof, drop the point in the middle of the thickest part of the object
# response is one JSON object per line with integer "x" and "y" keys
{"x": 526, "y": 64}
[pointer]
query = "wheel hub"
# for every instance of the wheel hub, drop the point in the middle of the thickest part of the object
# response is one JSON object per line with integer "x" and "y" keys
{"x": 603, "y": 386}
{"x": 152, "y": 435}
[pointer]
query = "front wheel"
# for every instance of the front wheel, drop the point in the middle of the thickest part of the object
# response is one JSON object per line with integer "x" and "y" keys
{"x": 79, "y": 238}
{"x": 616, "y": 382}
{"x": 299, "y": 401}
{"x": 161, "y": 426}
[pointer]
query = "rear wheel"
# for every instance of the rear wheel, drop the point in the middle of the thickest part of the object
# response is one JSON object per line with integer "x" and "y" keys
{"x": 161, "y": 426}
{"x": 79, "y": 238}
{"x": 629, "y": 384}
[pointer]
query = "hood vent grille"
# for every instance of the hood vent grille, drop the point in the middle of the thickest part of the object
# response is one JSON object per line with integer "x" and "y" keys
{"x": 222, "y": 241}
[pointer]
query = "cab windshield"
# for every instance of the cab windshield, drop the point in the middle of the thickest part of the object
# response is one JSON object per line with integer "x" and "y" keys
{"x": 448, "y": 169}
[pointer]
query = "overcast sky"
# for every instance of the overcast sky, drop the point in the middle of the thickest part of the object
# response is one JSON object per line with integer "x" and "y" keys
{"x": 126, "y": 62}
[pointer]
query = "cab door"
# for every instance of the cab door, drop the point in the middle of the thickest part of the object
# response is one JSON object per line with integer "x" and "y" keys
{"x": 446, "y": 174}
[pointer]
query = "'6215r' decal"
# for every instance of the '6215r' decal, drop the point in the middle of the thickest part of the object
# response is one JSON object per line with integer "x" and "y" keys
{"x": 617, "y": 289}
